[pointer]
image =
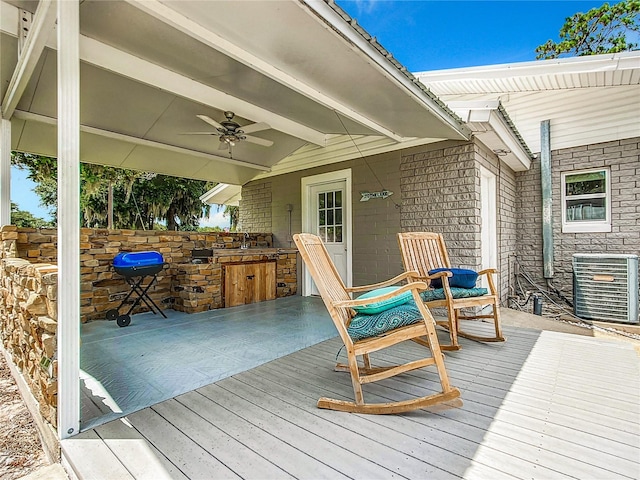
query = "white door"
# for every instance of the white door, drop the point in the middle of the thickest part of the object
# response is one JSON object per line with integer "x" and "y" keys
{"x": 488, "y": 228}
{"x": 326, "y": 213}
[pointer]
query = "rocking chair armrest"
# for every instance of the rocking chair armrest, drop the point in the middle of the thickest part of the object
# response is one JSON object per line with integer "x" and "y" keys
{"x": 367, "y": 301}
{"x": 487, "y": 271}
{"x": 391, "y": 281}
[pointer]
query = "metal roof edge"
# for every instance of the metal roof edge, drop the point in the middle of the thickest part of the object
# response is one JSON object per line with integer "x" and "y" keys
{"x": 445, "y": 113}
{"x": 507, "y": 119}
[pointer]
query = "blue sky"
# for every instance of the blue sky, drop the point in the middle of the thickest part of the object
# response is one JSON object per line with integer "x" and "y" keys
{"x": 433, "y": 35}
{"x": 427, "y": 35}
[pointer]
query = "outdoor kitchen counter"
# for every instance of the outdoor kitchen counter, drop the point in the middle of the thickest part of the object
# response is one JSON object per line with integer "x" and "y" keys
{"x": 198, "y": 287}
{"x": 249, "y": 254}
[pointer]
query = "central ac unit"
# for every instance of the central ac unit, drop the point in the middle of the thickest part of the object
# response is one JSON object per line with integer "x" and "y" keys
{"x": 605, "y": 287}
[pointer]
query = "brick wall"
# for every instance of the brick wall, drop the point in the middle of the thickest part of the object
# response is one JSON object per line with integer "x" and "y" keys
{"x": 623, "y": 159}
{"x": 376, "y": 256}
{"x": 255, "y": 207}
{"x": 441, "y": 193}
{"x": 436, "y": 188}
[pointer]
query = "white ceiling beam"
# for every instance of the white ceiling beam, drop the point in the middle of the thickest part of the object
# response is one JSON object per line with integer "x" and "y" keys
{"x": 122, "y": 63}
{"x": 189, "y": 27}
{"x": 27, "y": 116}
{"x": 41, "y": 28}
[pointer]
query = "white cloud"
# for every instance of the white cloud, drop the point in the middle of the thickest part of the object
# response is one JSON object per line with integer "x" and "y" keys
{"x": 215, "y": 219}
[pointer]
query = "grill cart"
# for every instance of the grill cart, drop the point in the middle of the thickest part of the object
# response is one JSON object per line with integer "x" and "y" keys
{"x": 135, "y": 267}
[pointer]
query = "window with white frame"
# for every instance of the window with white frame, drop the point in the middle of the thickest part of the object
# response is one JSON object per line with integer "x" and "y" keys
{"x": 586, "y": 201}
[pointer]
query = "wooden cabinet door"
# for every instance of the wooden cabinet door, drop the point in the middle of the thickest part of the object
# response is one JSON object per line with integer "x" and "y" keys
{"x": 249, "y": 283}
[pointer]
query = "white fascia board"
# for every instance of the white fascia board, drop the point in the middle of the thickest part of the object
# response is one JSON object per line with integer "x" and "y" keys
{"x": 572, "y": 65}
{"x": 486, "y": 112}
{"x": 222, "y": 194}
{"x": 41, "y": 28}
{"x": 122, "y": 63}
{"x": 189, "y": 27}
{"x": 520, "y": 159}
{"x": 336, "y": 22}
{"x": 140, "y": 141}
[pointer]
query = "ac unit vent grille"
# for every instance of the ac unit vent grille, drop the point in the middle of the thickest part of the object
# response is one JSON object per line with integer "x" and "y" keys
{"x": 605, "y": 287}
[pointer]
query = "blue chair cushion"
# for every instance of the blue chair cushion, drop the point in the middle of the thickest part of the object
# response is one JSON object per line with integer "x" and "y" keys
{"x": 381, "y": 306}
{"x": 438, "y": 293}
{"x": 462, "y": 277}
{"x": 366, "y": 326}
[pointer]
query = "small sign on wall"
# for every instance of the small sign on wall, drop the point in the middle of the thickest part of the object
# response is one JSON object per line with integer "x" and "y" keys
{"x": 366, "y": 196}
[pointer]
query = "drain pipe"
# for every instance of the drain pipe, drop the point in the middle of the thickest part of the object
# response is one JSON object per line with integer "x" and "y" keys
{"x": 547, "y": 218}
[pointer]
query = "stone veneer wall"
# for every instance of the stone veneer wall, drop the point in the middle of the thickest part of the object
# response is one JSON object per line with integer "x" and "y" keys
{"x": 623, "y": 159}
{"x": 28, "y": 288}
{"x": 255, "y": 207}
{"x": 441, "y": 193}
{"x": 28, "y": 326}
{"x": 101, "y": 288}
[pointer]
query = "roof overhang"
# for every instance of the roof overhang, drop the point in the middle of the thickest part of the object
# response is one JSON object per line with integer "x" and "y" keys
{"x": 588, "y": 99}
{"x": 491, "y": 125}
{"x": 223, "y": 194}
{"x": 149, "y": 67}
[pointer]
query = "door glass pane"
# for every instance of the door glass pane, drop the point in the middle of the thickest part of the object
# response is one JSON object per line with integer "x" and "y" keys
{"x": 330, "y": 215}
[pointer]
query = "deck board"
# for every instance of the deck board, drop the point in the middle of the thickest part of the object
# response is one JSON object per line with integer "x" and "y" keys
{"x": 541, "y": 405}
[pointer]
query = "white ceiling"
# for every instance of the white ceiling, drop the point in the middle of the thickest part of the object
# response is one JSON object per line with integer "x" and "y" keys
{"x": 149, "y": 67}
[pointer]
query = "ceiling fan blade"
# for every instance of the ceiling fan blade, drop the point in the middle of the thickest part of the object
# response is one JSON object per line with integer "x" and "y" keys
{"x": 258, "y": 141}
{"x": 199, "y": 133}
{"x": 210, "y": 121}
{"x": 255, "y": 127}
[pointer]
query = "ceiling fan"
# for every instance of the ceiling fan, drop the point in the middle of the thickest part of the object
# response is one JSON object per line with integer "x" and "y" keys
{"x": 230, "y": 132}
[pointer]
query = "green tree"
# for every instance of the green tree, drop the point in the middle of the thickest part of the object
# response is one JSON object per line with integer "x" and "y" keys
{"x": 234, "y": 216}
{"x": 140, "y": 200}
{"x": 22, "y": 218}
{"x": 601, "y": 30}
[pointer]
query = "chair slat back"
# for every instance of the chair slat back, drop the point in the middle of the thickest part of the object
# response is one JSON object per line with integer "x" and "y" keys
{"x": 324, "y": 274}
{"x": 423, "y": 251}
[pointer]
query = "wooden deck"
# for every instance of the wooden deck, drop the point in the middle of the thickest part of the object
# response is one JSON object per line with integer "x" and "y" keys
{"x": 543, "y": 405}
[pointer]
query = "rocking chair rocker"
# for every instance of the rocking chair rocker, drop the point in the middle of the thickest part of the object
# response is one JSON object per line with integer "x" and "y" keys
{"x": 386, "y": 320}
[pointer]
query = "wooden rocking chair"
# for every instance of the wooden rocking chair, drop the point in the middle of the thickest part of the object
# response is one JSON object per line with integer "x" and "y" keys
{"x": 423, "y": 252}
{"x": 365, "y": 333}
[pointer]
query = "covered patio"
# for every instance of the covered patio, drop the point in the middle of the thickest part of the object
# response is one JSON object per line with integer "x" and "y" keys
{"x": 544, "y": 404}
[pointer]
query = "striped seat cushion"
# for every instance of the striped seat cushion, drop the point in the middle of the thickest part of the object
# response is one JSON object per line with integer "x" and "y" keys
{"x": 366, "y": 326}
{"x": 438, "y": 293}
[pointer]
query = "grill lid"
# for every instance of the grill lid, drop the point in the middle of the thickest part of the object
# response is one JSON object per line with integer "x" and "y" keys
{"x": 137, "y": 259}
